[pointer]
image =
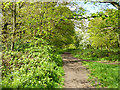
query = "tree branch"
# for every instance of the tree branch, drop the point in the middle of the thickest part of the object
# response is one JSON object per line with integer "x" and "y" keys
{"x": 115, "y": 4}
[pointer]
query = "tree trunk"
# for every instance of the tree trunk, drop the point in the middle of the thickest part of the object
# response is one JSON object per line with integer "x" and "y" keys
{"x": 119, "y": 25}
{"x": 14, "y": 25}
{"x": 118, "y": 40}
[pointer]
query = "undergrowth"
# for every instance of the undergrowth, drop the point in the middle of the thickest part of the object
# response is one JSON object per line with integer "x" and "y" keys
{"x": 37, "y": 66}
{"x": 97, "y": 54}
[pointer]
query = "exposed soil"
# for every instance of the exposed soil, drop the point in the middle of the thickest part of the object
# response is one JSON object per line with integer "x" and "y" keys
{"x": 76, "y": 74}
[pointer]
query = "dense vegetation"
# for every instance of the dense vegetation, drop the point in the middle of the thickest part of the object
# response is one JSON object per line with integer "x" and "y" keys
{"x": 35, "y": 34}
{"x": 31, "y": 34}
{"x": 36, "y": 67}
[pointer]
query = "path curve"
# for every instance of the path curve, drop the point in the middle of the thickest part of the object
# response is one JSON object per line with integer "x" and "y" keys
{"x": 76, "y": 74}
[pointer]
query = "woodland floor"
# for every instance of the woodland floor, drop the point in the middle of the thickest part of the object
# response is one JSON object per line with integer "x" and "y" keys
{"x": 76, "y": 74}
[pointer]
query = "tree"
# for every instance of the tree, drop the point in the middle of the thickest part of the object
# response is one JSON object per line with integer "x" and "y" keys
{"x": 10, "y": 30}
{"x": 103, "y": 31}
{"x": 116, "y": 4}
{"x": 52, "y": 23}
{"x": 43, "y": 20}
{"x": 82, "y": 35}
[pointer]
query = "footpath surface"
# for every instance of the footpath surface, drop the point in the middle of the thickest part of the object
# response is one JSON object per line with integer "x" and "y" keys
{"x": 76, "y": 74}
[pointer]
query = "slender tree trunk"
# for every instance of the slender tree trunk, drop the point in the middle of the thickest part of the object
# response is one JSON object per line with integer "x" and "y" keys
{"x": 119, "y": 26}
{"x": 14, "y": 25}
{"x": 118, "y": 40}
{"x": 0, "y": 31}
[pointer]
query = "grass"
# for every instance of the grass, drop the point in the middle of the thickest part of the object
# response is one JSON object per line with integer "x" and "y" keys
{"x": 105, "y": 74}
{"x": 97, "y": 54}
{"x": 102, "y": 75}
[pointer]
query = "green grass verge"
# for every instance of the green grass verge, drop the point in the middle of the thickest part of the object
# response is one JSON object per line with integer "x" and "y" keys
{"x": 106, "y": 75}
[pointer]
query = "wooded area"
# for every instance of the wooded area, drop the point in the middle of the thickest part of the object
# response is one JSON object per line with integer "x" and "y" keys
{"x": 34, "y": 34}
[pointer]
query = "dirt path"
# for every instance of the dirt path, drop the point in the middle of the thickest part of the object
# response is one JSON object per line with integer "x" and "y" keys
{"x": 76, "y": 74}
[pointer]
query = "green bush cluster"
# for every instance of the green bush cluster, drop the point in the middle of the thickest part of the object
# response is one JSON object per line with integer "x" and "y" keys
{"x": 37, "y": 67}
{"x": 106, "y": 74}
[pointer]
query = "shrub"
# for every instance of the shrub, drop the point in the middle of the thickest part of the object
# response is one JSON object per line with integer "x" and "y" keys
{"x": 37, "y": 67}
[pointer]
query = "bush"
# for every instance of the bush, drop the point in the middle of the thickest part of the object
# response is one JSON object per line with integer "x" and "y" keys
{"x": 37, "y": 67}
